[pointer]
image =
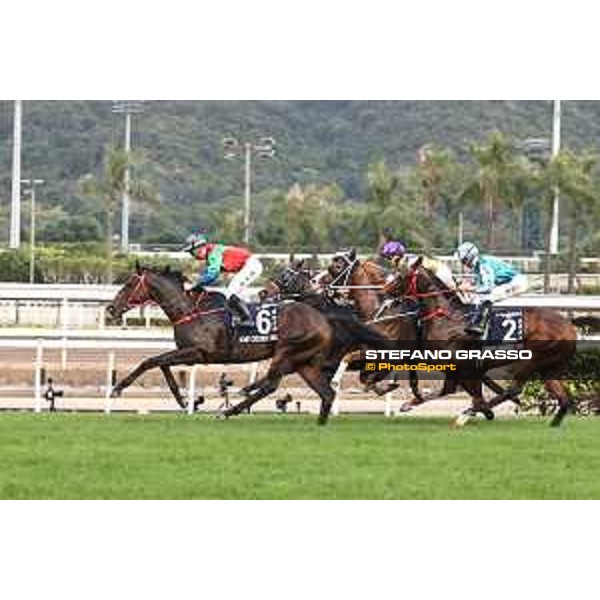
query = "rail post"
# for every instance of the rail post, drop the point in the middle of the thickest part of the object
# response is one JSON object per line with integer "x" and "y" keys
{"x": 191, "y": 395}
{"x": 64, "y": 313}
{"x": 63, "y": 353}
{"x": 37, "y": 379}
{"x": 111, "y": 380}
{"x": 336, "y": 384}
{"x": 388, "y": 405}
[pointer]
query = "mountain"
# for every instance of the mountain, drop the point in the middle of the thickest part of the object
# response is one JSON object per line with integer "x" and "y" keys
{"x": 317, "y": 142}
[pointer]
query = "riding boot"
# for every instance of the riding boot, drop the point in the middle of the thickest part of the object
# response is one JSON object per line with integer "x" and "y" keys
{"x": 196, "y": 289}
{"x": 481, "y": 318}
{"x": 239, "y": 308}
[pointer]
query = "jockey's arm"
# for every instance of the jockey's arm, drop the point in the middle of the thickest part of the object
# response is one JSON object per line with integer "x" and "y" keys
{"x": 485, "y": 281}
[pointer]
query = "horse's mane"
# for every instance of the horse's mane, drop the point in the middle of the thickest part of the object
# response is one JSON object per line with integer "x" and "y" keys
{"x": 375, "y": 273}
{"x": 174, "y": 275}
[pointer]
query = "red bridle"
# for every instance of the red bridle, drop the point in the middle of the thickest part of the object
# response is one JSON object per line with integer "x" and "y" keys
{"x": 140, "y": 286}
{"x": 413, "y": 293}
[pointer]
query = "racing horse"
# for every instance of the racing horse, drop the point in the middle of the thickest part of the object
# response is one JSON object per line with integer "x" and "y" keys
{"x": 298, "y": 283}
{"x": 203, "y": 336}
{"x": 551, "y": 338}
{"x": 395, "y": 318}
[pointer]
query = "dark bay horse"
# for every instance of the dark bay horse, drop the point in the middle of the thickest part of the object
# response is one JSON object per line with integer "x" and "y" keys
{"x": 202, "y": 336}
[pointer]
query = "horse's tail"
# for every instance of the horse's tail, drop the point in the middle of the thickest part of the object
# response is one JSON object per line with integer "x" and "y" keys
{"x": 588, "y": 323}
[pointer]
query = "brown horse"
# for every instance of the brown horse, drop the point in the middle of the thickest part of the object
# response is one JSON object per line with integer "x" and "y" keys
{"x": 443, "y": 318}
{"x": 202, "y": 335}
{"x": 551, "y": 338}
{"x": 394, "y": 318}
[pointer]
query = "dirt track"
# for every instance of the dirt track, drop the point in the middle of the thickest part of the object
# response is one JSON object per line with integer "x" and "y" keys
{"x": 83, "y": 379}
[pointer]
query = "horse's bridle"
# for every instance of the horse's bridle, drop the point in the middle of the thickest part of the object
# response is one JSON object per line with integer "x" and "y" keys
{"x": 140, "y": 286}
{"x": 288, "y": 281}
{"x": 340, "y": 281}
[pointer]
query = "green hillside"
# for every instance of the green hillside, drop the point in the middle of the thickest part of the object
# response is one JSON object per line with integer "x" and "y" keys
{"x": 318, "y": 142}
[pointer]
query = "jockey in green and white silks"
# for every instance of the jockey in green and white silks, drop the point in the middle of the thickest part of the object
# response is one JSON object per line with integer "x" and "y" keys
{"x": 494, "y": 280}
{"x": 233, "y": 260}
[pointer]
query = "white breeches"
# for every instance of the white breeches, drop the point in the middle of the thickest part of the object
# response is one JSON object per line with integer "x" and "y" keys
{"x": 518, "y": 285}
{"x": 249, "y": 273}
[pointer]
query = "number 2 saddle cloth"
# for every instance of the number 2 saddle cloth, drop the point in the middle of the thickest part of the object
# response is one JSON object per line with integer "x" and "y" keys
{"x": 505, "y": 324}
{"x": 265, "y": 322}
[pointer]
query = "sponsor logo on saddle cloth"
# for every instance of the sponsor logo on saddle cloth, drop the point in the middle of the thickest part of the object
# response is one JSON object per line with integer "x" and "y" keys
{"x": 506, "y": 325}
{"x": 265, "y": 317}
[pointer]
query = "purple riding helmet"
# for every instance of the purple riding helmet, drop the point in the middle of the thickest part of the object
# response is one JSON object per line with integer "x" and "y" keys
{"x": 393, "y": 249}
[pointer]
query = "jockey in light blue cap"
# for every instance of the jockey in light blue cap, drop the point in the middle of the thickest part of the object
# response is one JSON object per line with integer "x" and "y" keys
{"x": 494, "y": 280}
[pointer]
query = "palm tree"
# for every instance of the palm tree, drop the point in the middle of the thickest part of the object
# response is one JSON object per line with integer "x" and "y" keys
{"x": 573, "y": 175}
{"x": 109, "y": 189}
{"x": 440, "y": 180}
{"x": 393, "y": 202}
{"x": 310, "y": 215}
{"x": 496, "y": 181}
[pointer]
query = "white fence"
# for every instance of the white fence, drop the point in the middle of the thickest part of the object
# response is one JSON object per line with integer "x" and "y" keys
{"x": 82, "y": 306}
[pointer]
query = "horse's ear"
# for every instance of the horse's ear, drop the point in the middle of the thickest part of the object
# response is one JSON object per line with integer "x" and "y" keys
{"x": 352, "y": 254}
{"x": 417, "y": 264}
{"x": 138, "y": 267}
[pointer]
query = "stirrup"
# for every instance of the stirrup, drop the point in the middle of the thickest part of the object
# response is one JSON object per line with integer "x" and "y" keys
{"x": 475, "y": 329}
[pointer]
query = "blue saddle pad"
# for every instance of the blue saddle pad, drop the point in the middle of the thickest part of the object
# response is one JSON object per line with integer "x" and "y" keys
{"x": 265, "y": 324}
{"x": 506, "y": 325}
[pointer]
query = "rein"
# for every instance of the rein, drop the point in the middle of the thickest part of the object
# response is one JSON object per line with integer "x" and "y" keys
{"x": 412, "y": 293}
{"x": 196, "y": 314}
{"x": 142, "y": 287}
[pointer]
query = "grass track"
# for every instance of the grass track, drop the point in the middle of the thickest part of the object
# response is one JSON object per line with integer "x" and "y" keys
{"x": 168, "y": 456}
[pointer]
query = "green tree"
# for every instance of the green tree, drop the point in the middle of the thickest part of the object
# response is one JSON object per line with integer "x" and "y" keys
{"x": 573, "y": 175}
{"x": 497, "y": 180}
{"x": 440, "y": 180}
{"x": 393, "y": 202}
{"x": 109, "y": 188}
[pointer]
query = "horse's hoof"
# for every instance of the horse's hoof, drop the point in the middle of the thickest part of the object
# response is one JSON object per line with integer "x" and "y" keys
{"x": 406, "y": 407}
{"x": 489, "y": 414}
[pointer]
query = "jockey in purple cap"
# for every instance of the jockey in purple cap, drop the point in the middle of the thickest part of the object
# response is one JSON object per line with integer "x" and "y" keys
{"x": 395, "y": 252}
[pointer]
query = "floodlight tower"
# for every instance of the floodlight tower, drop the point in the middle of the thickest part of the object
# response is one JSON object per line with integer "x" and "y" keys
{"x": 32, "y": 183}
{"x": 126, "y": 107}
{"x": 234, "y": 148}
{"x": 15, "y": 214}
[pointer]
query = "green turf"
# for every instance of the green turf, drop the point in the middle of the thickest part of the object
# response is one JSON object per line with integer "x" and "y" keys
{"x": 175, "y": 456}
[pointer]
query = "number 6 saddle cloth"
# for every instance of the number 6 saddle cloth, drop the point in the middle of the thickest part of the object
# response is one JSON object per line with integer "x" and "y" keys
{"x": 265, "y": 322}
